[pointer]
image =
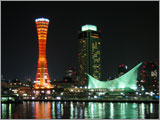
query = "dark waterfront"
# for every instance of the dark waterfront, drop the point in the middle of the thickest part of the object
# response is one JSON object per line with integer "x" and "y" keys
{"x": 80, "y": 110}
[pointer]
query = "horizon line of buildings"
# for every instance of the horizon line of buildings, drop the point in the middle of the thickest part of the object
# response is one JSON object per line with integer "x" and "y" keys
{"x": 89, "y": 59}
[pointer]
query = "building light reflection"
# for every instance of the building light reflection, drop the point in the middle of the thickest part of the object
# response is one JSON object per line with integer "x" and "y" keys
{"x": 58, "y": 112}
{"x": 53, "y": 110}
{"x": 62, "y": 112}
{"x": 42, "y": 110}
{"x": 10, "y": 111}
{"x": 111, "y": 110}
{"x": 89, "y": 110}
{"x": 151, "y": 107}
{"x": 86, "y": 113}
{"x": 4, "y": 110}
{"x": 71, "y": 110}
{"x": 142, "y": 110}
{"x": 75, "y": 112}
{"x": 100, "y": 109}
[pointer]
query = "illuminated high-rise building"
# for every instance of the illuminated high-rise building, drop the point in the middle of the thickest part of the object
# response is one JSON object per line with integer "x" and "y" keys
{"x": 89, "y": 53}
{"x": 42, "y": 77}
{"x": 149, "y": 77}
{"x": 122, "y": 69}
{"x": 71, "y": 75}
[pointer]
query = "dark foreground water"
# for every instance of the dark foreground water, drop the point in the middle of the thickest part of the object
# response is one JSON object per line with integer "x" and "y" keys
{"x": 80, "y": 110}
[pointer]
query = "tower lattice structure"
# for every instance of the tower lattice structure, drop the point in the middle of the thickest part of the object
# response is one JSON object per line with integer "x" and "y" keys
{"x": 42, "y": 76}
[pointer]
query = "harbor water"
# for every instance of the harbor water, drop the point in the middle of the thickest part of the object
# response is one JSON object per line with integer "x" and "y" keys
{"x": 79, "y": 110}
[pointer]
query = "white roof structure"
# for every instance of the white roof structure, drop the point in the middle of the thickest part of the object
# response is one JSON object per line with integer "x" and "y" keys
{"x": 41, "y": 19}
{"x": 89, "y": 27}
{"x": 128, "y": 80}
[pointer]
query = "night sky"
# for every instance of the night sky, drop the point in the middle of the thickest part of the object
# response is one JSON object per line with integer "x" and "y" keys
{"x": 129, "y": 32}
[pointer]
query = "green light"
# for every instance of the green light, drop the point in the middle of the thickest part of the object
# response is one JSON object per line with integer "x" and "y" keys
{"x": 12, "y": 98}
{"x": 4, "y": 99}
{"x": 53, "y": 110}
{"x": 89, "y": 27}
{"x": 127, "y": 81}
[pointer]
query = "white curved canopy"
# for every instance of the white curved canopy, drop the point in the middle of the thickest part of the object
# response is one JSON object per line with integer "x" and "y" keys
{"x": 128, "y": 80}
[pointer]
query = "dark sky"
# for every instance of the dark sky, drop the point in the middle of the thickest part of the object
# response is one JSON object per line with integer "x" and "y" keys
{"x": 129, "y": 32}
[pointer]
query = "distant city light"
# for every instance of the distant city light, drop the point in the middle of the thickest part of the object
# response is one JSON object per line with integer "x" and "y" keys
{"x": 36, "y": 81}
{"x": 37, "y": 92}
{"x": 142, "y": 88}
{"x": 58, "y": 98}
{"x": 24, "y": 94}
{"x": 95, "y": 96}
{"x": 42, "y": 91}
{"x": 156, "y": 97}
{"x": 122, "y": 93}
{"x": 15, "y": 91}
{"x": 92, "y": 89}
{"x": 32, "y": 97}
{"x": 126, "y": 67}
{"x": 151, "y": 93}
{"x": 48, "y": 92}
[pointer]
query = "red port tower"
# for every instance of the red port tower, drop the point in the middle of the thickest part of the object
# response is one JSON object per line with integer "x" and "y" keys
{"x": 42, "y": 77}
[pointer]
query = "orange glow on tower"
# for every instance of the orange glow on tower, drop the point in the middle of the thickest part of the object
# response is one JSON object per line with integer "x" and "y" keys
{"x": 42, "y": 76}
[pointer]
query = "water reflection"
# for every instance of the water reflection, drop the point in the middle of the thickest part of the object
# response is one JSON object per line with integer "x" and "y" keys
{"x": 79, "y": 110}
{"x": 53, "y": 110}
{"x": 42, "y": 110}
{"x": 4, "y": 110}
{"x": 111, "y": 110}
{"x": 142, "y": 110}
{"x": 151, "y": 107}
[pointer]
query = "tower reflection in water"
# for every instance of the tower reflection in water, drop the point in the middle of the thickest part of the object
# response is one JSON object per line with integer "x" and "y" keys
{"x": 79, "y": 110}
{"x": 43, "y": 110}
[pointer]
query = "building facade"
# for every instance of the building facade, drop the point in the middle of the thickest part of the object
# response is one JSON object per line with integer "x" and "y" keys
{"x": 89, "y": 53}
{"x": 71, "y": 75}
{"x": 149, "y": 78}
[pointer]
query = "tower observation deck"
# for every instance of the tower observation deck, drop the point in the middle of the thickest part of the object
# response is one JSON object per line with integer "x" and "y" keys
{"x": 42, "y": 77}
